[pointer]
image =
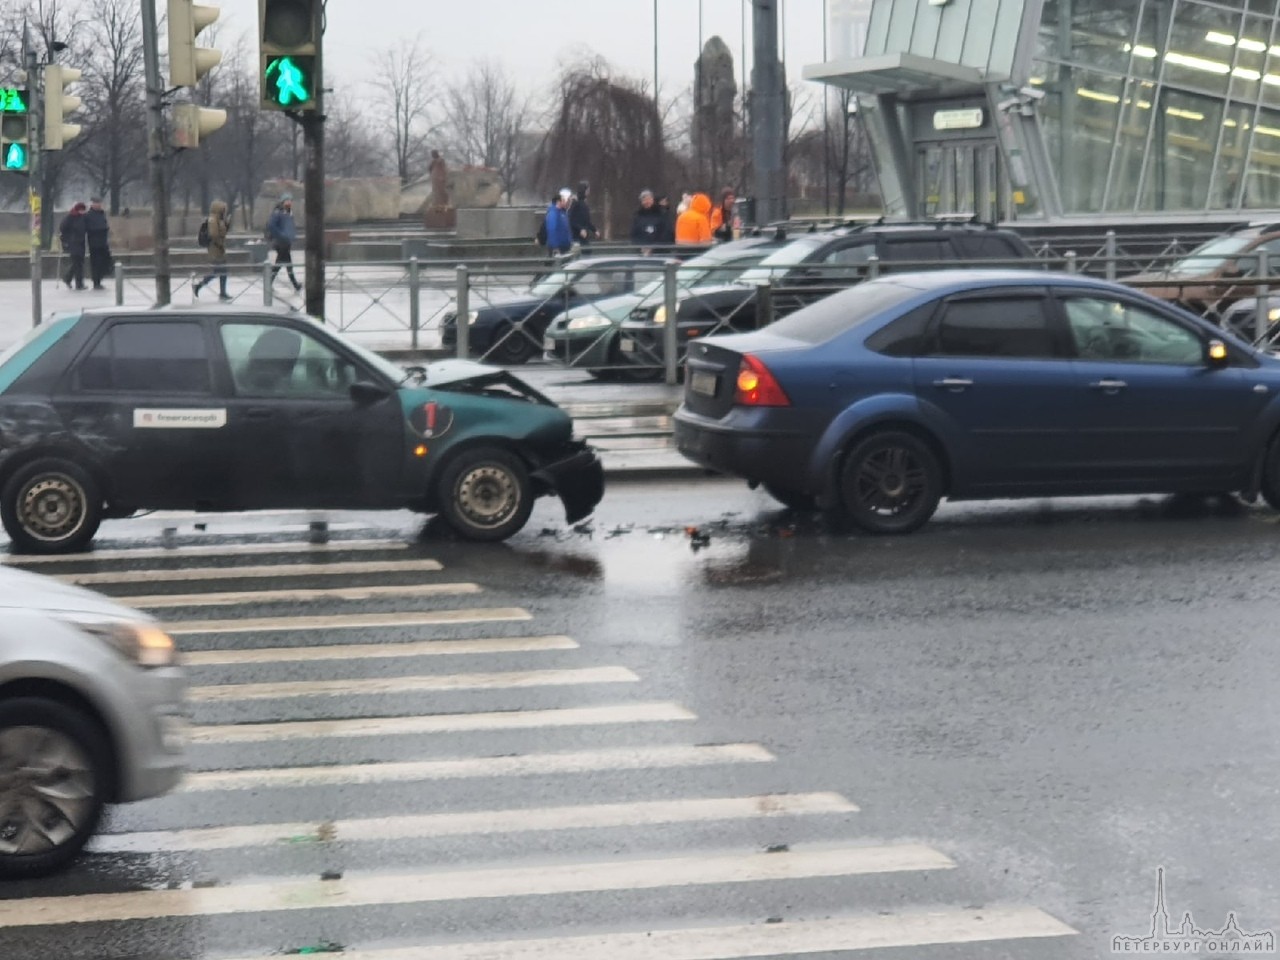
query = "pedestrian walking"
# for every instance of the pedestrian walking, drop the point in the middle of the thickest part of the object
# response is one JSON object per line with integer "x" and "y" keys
{"x": 580, "y": 225}
{"x": 649, "y": 225}
{"x": 73, "y": 233}
{"x": 215, "y": 232}
{"x": 281, "y": 232}
{"x": 98, "y": 234}
{"x": 559, "y": 239}
{"x": 694, "y": 225}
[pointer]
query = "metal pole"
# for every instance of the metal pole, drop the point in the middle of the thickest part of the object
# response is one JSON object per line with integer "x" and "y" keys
{"x": 671, "y": 330}
{"x": 767, "y": 113}
{"x": 826, "y": 120}
{"x": 158, "y": 150}
{"x": 313, "y": 186}
{"x": 415, "y": 315}
{"x": 117, "y": 271}
{"x": 873, "y": 267}
{"x": 656, "y": 105}
{"x": 268, "y": 293}
{"x": 1071, "y": 261}
{"x": 35, "y": 134}
{"x": 462, "y": 308}
{"x": 764, "y": 304}
{"x": 1111, "y": 255}
{"x": 1262, "y": 315}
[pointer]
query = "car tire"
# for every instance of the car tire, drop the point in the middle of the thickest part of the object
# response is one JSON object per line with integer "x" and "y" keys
{"x": 485, "y": 494}
{"x": 51, "y": 506}
{"x": 1271, "y": 475}
{"x": 48, "y": 749}
{"x": 890, "y": 483}
{"x": 793, "y": 499}
{"x": 512, "y": 346}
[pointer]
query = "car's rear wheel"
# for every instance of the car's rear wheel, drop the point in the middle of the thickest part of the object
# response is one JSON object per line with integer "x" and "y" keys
{"x": 485, "y": 494}
{"x": 891, "y": 482}
{"x": 794, "y": 499}
{"x": 514, "y": 345}
{"x": 54, "y": 775}
{"x": 51, "y": 506}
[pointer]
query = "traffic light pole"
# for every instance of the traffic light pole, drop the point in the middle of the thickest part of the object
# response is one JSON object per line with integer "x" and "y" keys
{"x": 313, "y": 185}
{"x": 35, "y": 133}
{"x": 157, "y": 149}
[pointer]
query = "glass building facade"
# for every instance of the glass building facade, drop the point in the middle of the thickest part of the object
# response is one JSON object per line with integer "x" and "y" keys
{"x": 1011, "y": 109}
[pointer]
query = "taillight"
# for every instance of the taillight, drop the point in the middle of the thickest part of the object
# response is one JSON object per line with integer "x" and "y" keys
{"x": 757, "y": 386}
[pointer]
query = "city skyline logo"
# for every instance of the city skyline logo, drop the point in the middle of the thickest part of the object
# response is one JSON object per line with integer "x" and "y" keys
{"x": 1188, "y": 938}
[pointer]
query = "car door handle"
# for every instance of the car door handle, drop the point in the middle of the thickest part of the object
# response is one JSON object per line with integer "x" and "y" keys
{"x": 258, "y": 413}
{"x": 1108, "y": 386}
{"x": 954, "y": 384}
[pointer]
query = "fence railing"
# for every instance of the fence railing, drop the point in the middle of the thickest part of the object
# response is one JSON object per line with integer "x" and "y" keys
{"x": 634, "y": 319}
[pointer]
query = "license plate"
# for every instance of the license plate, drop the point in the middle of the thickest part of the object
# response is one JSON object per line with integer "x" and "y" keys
{"x": 627, "y": 346}
{"x": 549, "y": 345}
{"x": 703, "y": 383}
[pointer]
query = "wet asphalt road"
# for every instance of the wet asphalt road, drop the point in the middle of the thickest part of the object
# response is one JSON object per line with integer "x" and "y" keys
{"x": 995, "y": 730}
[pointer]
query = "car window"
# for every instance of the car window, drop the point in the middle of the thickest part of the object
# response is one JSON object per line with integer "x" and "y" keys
{"x": 986, "y": 247}
{"x": 1105, "y": 329}
{"x": 819, "y": 322}
{"x": 274, "y": 361}
{"x": 851, "y": 256}
{"x": 147, "y": 357}
{"x": 906, "y": 336}
{"x": 1002, "y": 327}
{"x": 908, "y": 251}
{"x": 601, "y": 283}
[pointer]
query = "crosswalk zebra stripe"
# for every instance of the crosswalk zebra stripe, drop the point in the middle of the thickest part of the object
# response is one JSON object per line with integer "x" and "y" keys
{"x": 210, "y": 550}
{"x": 539, "y": 819}
{"x": 504, "y": 680}
{"x": 272, "y": 570}
{"x": 171, "y": 600}
{"x": 486, "y": 883}
{"x": 835, "y": 935}
{"x": 350, "y": 621}
{"x": 458, "y": 768}
{"x": 440, "y": 723}
{"x": 376, "y": 651}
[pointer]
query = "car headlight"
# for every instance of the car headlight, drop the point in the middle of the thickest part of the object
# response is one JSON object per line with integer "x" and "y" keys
{"x": 144, "y": 644}
{"x": 660, "y": 315}
{"x": 1273, "y": 314}
{"x": 472, "y": 317}
{"x": 589, "y": 323}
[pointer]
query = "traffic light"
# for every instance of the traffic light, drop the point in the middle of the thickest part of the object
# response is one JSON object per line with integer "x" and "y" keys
{"x": 187, "y": 62}
{"x": 191, "y": 122}
{"x": 57, "y": 104}
{"x": 15, "y": 131}
{"x": 288, "y": 43}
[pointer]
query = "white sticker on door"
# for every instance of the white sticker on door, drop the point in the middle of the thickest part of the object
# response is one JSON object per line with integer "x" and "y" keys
{"x": 179, "y": 419}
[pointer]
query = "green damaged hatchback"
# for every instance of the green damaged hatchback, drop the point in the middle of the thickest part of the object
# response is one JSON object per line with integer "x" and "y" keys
{"x": 108, "y": 412}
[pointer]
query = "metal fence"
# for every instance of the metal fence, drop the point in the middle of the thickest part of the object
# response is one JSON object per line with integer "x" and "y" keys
{"x": 640, "y": 319}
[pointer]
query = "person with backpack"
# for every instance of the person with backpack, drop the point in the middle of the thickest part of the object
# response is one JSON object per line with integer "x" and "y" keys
{"x": 281, "y": 232}
{"x": 73, "y": 233}
{"x": 213, "y": 237}
{"x": 556, "y": 225}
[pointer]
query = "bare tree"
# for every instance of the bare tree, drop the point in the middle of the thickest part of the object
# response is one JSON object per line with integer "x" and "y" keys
{"x": 351, "y": 147}
{"x": 405, "y": 78}
{"x": 113, "y": 145}
{"x": 486, "y": 120}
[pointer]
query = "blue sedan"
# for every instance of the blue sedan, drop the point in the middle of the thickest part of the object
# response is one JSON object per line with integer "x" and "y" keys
{"x": 879, "y": 401}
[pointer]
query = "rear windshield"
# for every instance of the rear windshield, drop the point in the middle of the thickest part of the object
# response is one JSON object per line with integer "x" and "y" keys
{"x": 828, "y": 318}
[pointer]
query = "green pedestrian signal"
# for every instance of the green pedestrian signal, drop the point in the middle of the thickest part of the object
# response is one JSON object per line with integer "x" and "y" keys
{"x": 15, "y": 157}
{"x": 15, "y": 131}
{"x": 13, "y": 100}
{"x": 287, "y": 82}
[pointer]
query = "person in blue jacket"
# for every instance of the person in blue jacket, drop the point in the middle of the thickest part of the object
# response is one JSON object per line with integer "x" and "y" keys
{"x": 559, "y": 240}
{"x": 281, "y": 232}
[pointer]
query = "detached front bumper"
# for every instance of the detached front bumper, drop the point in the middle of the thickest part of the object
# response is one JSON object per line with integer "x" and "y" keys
{"x": 577, "y": 479}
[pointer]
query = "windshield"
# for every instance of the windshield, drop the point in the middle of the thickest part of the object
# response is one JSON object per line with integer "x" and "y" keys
{"x": 793, "y": 253}
{"x": 708, "y": 270}
{"x": 554, "y": 282}
{"x": 48, "y": 333}
{"x": 1210, "y": 257}
{"x": 384, "y": 366}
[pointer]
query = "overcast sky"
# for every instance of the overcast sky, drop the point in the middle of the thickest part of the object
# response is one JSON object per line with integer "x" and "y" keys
{"x": 533, "y": 37}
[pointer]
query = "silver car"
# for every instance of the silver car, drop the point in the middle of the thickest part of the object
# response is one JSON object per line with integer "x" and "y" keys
{"x": 91, "y": 712}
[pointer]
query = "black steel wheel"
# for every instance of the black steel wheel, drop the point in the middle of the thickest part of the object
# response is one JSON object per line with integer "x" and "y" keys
{"x": 485, "y": 494}
{"x": 890, "y": 483}
{"x": 51, "y": 506}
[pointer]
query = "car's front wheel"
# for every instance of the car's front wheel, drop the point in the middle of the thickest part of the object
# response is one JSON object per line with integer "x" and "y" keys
{"x": 51, "y": 506}
{"x": 54, "y": 776}
{"x": 514, "y": 345}
{"x": 485, "y": 494}
{"x": 891, "y": 482}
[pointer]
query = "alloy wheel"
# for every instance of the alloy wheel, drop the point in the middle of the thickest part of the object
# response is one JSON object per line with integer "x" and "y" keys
{"x": 46, "y": 790}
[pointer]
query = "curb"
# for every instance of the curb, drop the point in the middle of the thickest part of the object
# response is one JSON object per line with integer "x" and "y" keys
{"x": 641, "y": 474}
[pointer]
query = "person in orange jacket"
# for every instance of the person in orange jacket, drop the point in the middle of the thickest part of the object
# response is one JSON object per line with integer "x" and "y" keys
{"x": 694, "y": 225}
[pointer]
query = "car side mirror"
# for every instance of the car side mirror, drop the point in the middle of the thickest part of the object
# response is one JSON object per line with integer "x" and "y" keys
{"x": 1216, "y": 354}
{"x": 362, "y": 391}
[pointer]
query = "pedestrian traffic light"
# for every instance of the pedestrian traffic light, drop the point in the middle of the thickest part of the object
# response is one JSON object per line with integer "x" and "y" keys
{"x": 15, "y": 130}
{"x": 187, "y": 62}
{"x": 288, "y": 31}
{"x": 57, "y": 104}
{"x": 192, "y": 122}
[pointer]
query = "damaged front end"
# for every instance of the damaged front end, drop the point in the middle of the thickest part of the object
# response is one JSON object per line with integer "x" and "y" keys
{"x": 576, "y": 477}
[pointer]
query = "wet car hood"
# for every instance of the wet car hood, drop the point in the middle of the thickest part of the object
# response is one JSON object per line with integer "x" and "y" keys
{"x": 29, "y": 591}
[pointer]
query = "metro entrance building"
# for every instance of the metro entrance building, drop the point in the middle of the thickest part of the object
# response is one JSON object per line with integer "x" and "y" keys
{"x": 1061, "y": 109}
